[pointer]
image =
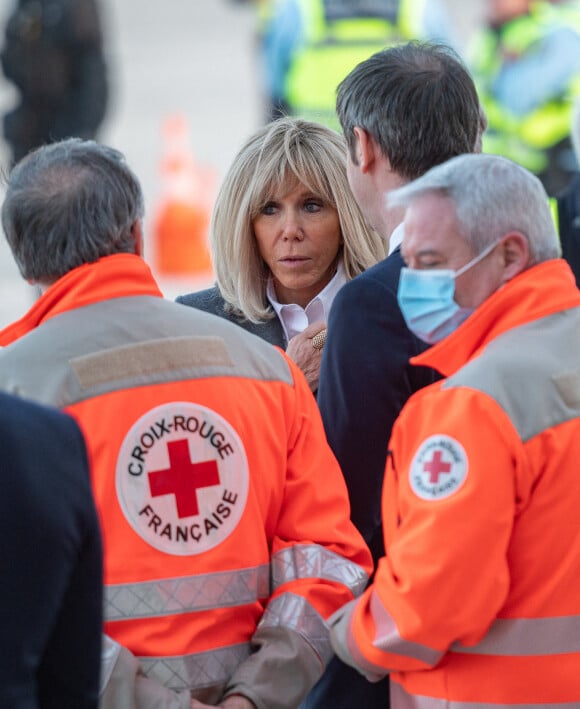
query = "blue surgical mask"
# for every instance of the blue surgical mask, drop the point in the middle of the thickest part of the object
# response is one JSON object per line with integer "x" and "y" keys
{"x": 426, "y": 300}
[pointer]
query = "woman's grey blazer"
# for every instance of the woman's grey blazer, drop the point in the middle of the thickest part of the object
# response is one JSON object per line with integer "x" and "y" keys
{"x": 211, "y": 301}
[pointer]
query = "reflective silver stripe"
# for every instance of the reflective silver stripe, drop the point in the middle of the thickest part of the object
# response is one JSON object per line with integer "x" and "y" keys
{"x": 346, "y": 647}
{"x": 314, "y": 561}
{"x": 292, "y": 611}
{"x": 381, "y": 10}
{"x": 403, "y": 700}
{"x": 547, "y": 355}
{"x": 109, "y": 654}
{"x": 153, "y": 599}
{"x": 201, "y": 669}
{"x": 387, "y": 636}
{"x": 526, "y": 637}
{"x": 130, "y": 321}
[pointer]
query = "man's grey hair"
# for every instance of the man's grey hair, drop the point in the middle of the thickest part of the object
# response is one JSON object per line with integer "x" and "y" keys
{"x": 67, "y": 204}
{"x": 492, "y": 196}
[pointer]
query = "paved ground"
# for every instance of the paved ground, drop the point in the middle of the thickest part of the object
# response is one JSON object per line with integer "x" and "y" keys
{"x": 195, "y": 57}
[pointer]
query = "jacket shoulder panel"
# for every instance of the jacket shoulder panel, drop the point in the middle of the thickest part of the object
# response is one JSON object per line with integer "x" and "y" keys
{"x": 531, "y": 372}
{"x": 130, "y": 342}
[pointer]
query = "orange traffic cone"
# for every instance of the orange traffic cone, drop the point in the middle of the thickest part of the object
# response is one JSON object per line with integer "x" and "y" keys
{"x": 181, "y": 226}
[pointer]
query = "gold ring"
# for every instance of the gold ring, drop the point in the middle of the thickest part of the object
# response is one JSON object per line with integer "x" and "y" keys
{"x": 319, "y": 339}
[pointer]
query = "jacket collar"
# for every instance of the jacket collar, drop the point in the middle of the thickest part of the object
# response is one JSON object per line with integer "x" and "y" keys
{"x": 114, "y": 276}
{"x": 535, "y": 293}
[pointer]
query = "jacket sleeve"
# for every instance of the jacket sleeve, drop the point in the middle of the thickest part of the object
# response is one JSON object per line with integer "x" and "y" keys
{"x": 365, "y": 379}
{"x": 318, "y": 562}
{"x": 445, "y": 575}
{"x": 123, "y": 684}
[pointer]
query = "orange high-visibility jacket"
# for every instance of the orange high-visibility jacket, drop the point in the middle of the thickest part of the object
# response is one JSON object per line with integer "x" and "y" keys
{"x": 477, "y": 601}
{"x": 224, "y": 513}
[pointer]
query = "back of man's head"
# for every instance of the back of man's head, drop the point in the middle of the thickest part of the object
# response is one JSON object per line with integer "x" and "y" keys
{"x": 67, "y": 204}
{"x": 418, "y": 103}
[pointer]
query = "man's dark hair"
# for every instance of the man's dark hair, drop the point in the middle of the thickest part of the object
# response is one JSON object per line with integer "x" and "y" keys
{"x": 417, "y": 101}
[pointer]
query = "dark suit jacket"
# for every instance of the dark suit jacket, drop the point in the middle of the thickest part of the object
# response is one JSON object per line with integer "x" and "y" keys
{"x": 569, "y": 224}
{"x": 365, "y": 378}
{"x": 212, "y": 301}
{"x": 50, "y": 555}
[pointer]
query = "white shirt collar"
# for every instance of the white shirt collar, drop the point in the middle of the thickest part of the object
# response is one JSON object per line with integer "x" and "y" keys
{"x": 396, "y": 237}
{"x": 294, "y": 318}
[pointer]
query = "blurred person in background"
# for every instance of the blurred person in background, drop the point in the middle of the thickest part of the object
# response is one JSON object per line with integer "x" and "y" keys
{"x": 51, "y": 559}
{"x": 286, "y": 234}
{"x": 224, "y": 514}
{"x": 566, "y": 205}
{"x": 526, "y": 63}
{"x": 53, "y": 55}
{"x": 308, "y": 46}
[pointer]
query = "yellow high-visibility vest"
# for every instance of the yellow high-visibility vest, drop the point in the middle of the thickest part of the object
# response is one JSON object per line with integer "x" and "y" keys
{"x": 335, "y": 41}
{"x": 524, "y": 139}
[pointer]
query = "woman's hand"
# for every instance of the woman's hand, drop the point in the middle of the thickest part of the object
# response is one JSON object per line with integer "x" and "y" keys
{"x": 308, "y": 354}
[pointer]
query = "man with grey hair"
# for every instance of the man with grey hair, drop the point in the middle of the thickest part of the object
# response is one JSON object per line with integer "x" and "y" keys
{"x": 476, "y": 602}
{"x": 225, "y": 548}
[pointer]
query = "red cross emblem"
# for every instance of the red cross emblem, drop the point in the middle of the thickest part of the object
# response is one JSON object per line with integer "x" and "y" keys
{"x": 435, "y": 467}
{"x": 183, "y": 478}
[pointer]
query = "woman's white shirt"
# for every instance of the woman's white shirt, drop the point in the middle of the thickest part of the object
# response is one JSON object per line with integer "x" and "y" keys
{"x": 294, "y": 318}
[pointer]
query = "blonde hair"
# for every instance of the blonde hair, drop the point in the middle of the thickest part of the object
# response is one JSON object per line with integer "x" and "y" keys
{"x": 283, "y": 151}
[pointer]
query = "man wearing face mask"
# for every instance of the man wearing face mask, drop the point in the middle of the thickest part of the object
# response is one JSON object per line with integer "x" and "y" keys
{"x": 476, "y": 602}
{"x": 426, "y": 298}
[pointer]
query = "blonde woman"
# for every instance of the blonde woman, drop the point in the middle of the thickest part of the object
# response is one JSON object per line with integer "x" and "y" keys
{"x": 286, "y": 234}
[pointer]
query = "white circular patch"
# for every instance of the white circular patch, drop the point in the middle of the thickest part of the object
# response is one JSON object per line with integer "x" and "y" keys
{"x": 439, "y": 468}
{"x": 182, "y": 478}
